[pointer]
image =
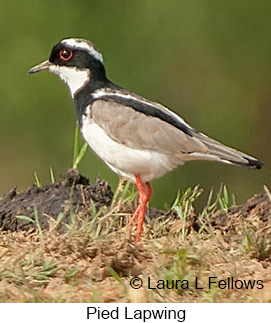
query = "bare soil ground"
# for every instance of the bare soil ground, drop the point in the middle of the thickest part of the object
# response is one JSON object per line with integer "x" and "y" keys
{"x": 57, "y": 246}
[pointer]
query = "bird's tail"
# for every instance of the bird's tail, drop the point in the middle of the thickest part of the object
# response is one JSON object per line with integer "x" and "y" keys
{"x": 218, "y": 152}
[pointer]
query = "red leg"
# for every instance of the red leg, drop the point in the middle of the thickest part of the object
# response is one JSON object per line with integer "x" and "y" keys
{"x": 134, "y": 217}
{"x": 140, "y": 187}
{"x": 145, "y": 194}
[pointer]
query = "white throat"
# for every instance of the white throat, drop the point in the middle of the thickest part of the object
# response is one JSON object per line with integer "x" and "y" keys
{"x": 75, "y": 78}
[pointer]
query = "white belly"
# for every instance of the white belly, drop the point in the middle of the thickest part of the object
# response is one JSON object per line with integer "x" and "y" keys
{"x": 124, "y": 160}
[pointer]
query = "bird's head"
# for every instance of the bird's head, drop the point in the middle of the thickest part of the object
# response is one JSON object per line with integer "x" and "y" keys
{"x": 76, "y": 61}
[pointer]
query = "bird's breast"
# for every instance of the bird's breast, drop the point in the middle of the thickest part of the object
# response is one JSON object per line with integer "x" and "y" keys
{"x": 122, "y": 159}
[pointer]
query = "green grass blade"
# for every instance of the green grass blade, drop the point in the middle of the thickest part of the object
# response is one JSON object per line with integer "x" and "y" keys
{"x": 26, "y": 218}
{"x": 113, "y": 273}
{"x": 76, "y": 144}
{"x": 36, "y": 217}
{"x": 52, "y": 175}
{"x": 38, "y": 183}
{"x": 80, "y": 155}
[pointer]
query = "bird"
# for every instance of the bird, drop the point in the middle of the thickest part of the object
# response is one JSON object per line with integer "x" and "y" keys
{"x": 139, "y": 139}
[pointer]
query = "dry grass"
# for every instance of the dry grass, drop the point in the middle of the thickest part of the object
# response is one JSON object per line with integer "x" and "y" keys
{"x": 96, "y": 258}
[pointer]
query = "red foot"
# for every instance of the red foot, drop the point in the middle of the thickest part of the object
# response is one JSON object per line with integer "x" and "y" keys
{"x": 145, "y": 194}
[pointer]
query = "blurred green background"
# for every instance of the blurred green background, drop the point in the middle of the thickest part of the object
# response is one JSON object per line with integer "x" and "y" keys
{"x": 208, "y": 60}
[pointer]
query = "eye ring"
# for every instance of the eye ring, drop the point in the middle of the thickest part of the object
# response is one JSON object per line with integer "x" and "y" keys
{"x": 65, "y": 54}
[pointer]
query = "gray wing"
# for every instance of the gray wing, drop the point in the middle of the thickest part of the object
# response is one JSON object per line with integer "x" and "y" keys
{"x": 138, "y": 130}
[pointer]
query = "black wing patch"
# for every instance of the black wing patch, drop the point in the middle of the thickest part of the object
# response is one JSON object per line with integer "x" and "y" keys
{"x": 149, "y": 110}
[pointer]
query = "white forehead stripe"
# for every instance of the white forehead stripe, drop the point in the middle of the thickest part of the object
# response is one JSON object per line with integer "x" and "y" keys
{"x": 84, "y": 45}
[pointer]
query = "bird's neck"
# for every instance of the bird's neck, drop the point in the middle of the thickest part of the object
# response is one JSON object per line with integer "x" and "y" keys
{"x": 83, "y": 98}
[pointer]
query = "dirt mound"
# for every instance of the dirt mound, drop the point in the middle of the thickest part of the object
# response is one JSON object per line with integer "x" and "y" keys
{"x": 250, "y": 224}
{"x": 94, "y": 259}
{"x": 256, "y": 210}
{"x": 71, "y": 195}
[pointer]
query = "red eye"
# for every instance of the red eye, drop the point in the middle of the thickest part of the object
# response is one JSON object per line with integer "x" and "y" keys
{"x": 65, "y": 54}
